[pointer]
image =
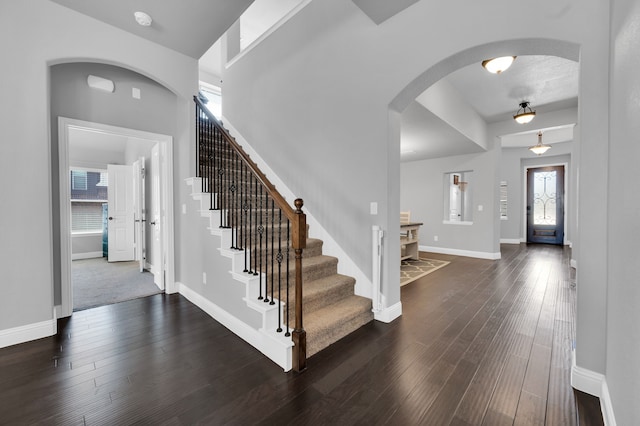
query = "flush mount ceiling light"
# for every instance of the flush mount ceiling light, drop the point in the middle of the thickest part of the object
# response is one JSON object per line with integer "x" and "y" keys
{"x": 539, "y": 148}
{"x": 498, "y": 65}
{"x": 143, "y": 19}
{"x": 525, "y": 114}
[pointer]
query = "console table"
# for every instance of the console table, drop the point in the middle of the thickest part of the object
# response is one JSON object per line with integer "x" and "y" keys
{"x": 409, "y": 240}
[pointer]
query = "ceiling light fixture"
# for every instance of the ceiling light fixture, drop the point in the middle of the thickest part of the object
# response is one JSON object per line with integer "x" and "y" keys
{"x": 498, "y": 65}
{"x": 539, "y": 148}
{"x": 525, "y": 114}
{"x": 143, "y": 19}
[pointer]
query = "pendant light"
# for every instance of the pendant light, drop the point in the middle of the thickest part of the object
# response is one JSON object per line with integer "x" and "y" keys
{"x": 539, "y": 148}
{"x": 525, "y": 114}
{"x": 498, "y": 65}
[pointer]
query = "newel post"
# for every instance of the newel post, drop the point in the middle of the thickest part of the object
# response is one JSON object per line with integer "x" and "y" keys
{"x": 299, "y": 336}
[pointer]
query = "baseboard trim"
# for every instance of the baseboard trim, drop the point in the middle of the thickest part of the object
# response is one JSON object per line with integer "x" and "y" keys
{"x": 509, "y": 240}
{"x": 594, "y": 384}
{"x": 389, "y": 314}
{"x": 457, "y": 252}
{"x": 274, "y": 350}
{"x": 26, "y": 333}
{"x": 88, "y": 255}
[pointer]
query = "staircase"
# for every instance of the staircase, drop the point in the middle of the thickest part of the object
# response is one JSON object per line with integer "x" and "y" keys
{"x": 270, "y": 251}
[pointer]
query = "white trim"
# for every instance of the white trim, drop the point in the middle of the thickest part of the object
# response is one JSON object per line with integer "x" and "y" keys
{"x": 573, "y": 263}
{"x": 389, "y": 314}
{"x": 509, "y": 240}
{"x": 26, "y": 333}
{"x": 275, "y": 350}
{"x": 87, "y": 255}
{"x": 166, "y": 148}
{"x": 606, "y": 406}
{"x": 594, "y": 384}
{"x": 346, "y": 265}
{"x": 457, "y": 252}
{"x": 457, "y": 222}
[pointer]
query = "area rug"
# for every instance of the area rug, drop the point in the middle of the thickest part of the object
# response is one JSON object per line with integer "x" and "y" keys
{"x": 411, "y": 270}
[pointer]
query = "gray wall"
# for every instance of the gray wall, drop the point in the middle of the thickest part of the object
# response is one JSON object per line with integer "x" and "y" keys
{"x": 623, "y": 290}
{"x": 33, "y": 36}
{"x": 314, "y": 98}
{"x": 71, "y": 97}
{"x": 422, "y": 192}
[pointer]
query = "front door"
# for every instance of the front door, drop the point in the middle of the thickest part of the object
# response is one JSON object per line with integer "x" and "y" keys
{"x": 545, "y": 205}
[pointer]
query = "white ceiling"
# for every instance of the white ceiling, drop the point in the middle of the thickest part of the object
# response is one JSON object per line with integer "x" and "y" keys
{"x": 187, "y": 26}
{"x": 548, "y": 82}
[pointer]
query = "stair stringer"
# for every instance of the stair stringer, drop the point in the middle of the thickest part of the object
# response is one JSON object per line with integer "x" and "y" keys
{"x": 266, "y": 339}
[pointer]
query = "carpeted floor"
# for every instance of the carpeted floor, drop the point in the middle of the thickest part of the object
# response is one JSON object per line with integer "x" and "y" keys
{"x": 411, "y": 270}
{"x": 97, "y": 282}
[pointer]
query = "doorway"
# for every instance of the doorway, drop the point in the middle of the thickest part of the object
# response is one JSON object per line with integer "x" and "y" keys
{"x": 163, "y": 217}
{"x": 545, "y": 205}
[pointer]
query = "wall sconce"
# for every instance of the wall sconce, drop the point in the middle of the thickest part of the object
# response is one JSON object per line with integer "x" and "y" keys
{"x": 525, "y": 114}
{"x": 100, "y": 83}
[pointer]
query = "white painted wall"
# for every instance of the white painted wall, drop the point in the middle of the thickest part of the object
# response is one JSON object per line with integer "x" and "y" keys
{"x": 34, "y": 35}
{"x": 623, "y": 291}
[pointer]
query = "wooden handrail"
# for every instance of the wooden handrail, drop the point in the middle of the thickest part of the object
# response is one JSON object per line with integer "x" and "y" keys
{"x": 298, "y": 220}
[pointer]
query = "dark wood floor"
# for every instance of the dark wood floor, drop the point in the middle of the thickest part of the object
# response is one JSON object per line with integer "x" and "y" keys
{"x": 480, "y": 342}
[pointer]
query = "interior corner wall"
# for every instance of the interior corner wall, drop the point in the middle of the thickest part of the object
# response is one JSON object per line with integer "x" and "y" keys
{"x": 623, "y": 291}
{"x": 33, "y": 36}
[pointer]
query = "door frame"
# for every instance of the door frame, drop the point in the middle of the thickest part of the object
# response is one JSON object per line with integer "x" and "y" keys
{"x": 166, "y": 189}
{"x": 525, "y": 169}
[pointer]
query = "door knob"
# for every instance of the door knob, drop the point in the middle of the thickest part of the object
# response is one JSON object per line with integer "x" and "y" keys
{"x": 110, "y": 218}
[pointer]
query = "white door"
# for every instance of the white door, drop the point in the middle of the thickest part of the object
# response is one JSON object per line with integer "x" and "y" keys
{"x": 121, "y": 213}
{"x": 154, "y": 219}
{"x": 140, "y": 212}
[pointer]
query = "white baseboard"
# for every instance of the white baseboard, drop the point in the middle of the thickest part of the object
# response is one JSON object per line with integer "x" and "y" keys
{"x": 606, "y": 406}
{"x": 389, "y": 314}
{"x": 509, "y": 240}
{"x": 26, "y": 333}
{"x": 88, "y": 255}
{"x": 273, "y": 349}
{"x": 594, "y": 384}
{"x": 457, "y": 252}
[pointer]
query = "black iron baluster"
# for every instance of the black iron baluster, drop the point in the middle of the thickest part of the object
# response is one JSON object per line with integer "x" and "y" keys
{"x": 255, "y": 246}
{"x": 272, "y": 249}
{"x": 266, "y": 251}
{"x": 288, "y": 333}
{"x": 279, "y": 259}
{"x": 260, "y": 231}
{"x": 245, "y": 210}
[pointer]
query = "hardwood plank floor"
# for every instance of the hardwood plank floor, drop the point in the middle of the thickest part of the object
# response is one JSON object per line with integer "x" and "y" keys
{"x": 480, "y": 342}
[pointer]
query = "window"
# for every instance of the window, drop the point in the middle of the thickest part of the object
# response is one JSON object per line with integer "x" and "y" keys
{"x": 79, "y": 180}
{"x": 457, "y": 198}
{"x": 503, "y": 200}
{"x": 214, "y": 99}
{"x": 88, "y": 194}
